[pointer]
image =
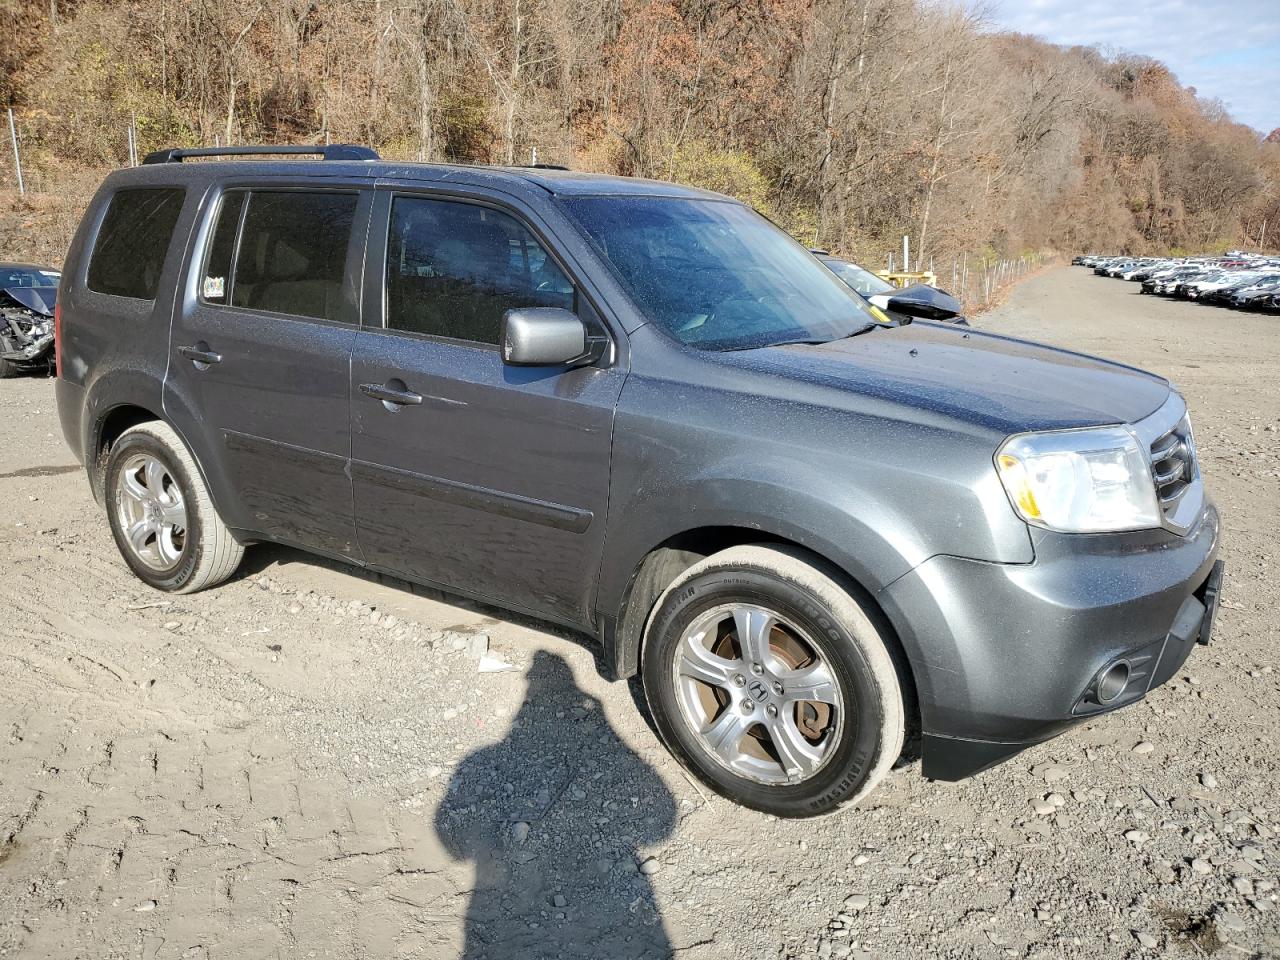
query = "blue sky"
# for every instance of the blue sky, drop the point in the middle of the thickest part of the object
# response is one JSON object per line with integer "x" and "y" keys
{"x": 1227, "y": 50}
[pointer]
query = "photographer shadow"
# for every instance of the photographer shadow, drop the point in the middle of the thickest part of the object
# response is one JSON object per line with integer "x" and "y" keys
{"x": 554, "y": 818}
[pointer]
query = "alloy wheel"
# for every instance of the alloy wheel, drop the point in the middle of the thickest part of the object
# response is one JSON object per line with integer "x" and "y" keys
{"x": 759, "y": 694}
{"x": 152, "y": 512}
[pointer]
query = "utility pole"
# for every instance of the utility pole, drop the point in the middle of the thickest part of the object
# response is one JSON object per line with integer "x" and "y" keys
{"x": 17, "y": 158}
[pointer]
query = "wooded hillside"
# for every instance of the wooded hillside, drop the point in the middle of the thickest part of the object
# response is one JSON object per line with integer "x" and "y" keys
{"x": 851, "y": 122}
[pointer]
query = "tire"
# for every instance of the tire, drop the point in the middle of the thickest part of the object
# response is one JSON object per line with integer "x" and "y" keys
{"x": 154, "y": 488}
{"x": 799, "y": 757}
{"x": 8, "y": 369}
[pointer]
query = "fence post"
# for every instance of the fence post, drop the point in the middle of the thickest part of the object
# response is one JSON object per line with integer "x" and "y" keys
{"x": 17, "y": 158}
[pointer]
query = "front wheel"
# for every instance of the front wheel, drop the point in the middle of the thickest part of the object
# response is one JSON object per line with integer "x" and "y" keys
{"x": 771, "y": 683}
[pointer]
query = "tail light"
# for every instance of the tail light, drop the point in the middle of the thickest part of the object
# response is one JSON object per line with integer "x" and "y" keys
{"x": 57, "y": 339}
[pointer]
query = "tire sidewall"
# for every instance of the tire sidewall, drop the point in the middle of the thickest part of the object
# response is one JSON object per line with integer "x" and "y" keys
{"x": 180, "y": 574}
{"x": 854, "y": 760}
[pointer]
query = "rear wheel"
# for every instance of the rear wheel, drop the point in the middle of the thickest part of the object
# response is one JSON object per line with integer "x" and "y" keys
{"x": 162, "y": 518}
{"x": 8, "y": 369}
{"x": 770, "y": 682}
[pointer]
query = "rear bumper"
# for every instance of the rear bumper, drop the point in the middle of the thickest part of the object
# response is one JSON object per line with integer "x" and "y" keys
{"x": 1005, "y": 656}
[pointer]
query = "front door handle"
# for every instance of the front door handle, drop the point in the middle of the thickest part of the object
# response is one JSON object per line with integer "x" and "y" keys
{"x": 200, "y": 355}
{"x": 391, "y": 394}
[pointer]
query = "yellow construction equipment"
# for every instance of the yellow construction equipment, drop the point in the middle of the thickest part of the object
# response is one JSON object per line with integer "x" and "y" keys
{"x": 900, "y": 278}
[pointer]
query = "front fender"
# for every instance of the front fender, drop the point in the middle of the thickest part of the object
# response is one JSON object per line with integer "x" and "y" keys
{"x": 874, "y": 493}
{"x": 816, "y": 519}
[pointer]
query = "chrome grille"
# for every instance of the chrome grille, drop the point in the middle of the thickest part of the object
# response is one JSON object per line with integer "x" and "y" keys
{"x": 1173, "y": 465}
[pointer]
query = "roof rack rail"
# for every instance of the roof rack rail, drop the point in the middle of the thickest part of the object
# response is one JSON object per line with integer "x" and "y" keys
{"x": 334, "y": 151}
{"x": 542, "y": 166}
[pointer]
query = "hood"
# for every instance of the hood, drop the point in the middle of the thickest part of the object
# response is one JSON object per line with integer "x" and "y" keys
{"x": 1000, "y": 383}
{"x": 36, "y": 299}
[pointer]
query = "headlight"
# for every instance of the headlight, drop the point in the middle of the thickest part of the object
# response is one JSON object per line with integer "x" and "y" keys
{"x": 1080, "y": 481}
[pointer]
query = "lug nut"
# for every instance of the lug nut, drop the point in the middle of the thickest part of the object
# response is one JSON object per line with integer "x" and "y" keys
{"x": 748, "y": 706}
{"x": 771, "y": 710}
{"x": 757, "y": 669}
{"x": 777, "y": 688}
{"x": 739, "y": 679}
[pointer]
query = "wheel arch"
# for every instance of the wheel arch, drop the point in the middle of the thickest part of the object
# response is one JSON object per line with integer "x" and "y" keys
{"x": 106, "y": 429}
{"x": 111, "y": 425}
{"x": 622, "y": 634}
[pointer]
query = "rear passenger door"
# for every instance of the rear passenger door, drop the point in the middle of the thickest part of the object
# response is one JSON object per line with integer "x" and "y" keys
{"x": 260, "y": 353}
{"x": 486, "y": 478}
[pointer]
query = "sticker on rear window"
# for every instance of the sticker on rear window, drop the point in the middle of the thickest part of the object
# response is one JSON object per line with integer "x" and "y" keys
{"x": 214, "y": 288}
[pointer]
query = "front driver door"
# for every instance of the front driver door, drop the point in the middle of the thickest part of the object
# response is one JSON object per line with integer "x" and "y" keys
{"x": 486, "y": 478}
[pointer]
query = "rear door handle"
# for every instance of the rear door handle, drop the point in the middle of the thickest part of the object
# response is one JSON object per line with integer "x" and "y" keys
{"x": 393, "y": 396}
{"x": 200, "y": 355}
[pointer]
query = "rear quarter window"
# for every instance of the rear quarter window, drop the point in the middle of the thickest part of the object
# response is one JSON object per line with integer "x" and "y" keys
{"x": 128, "y": 254}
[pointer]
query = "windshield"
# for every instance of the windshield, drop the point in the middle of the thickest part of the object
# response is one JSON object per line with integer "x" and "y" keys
{"x": 717, "y": 275}
{"x": 864, "y": 281}
{"x": 27, "y": 277}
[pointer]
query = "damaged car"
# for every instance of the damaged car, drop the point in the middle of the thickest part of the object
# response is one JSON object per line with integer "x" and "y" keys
{"x": 28, "y": 295}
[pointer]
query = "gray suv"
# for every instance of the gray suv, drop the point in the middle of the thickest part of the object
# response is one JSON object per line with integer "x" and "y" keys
{"x": 825, "y": 542}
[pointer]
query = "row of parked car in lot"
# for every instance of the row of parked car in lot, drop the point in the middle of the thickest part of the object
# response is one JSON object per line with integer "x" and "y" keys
{"x": 1238, "y": 280}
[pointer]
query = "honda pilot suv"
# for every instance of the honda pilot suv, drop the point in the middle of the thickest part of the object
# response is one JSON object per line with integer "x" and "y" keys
{"x": 644, "y": 412}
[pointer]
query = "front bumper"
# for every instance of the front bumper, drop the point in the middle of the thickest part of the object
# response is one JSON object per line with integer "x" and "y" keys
{"x": 26, "y": 351}
{"x": 1008, "y": 655}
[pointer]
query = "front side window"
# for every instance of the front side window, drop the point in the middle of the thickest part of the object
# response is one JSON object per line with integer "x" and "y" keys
{"x": 291, "y": 257}
{"x": 717, "y": 275}
{"x": 453, "y": 270}
{"x": 129, "y": 252}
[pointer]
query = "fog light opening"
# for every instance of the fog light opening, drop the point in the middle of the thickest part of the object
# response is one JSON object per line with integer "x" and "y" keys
{"x": 1113, "y": 681}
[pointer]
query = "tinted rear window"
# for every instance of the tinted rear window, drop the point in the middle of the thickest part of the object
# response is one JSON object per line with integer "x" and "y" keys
{"x": 293, "y": 254}
{"x": 133, "y": 240}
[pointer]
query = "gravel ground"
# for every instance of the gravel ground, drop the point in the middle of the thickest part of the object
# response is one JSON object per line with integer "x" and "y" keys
{"x": 307, "y": 762}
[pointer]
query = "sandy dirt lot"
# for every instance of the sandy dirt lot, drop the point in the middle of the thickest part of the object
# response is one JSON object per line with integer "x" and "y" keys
{"x": 307, "y": 762}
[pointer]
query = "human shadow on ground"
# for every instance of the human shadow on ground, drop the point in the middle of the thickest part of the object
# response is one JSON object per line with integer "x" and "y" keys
{"x": 555, "y": 817}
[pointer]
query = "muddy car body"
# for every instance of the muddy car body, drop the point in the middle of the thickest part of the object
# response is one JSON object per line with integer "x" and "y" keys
{"x": 641, "y": 411}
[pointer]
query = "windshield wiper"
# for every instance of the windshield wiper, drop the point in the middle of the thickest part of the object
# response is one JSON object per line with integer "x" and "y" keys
{"x": 865, "y": 328}
{"x": 807, "y": 341}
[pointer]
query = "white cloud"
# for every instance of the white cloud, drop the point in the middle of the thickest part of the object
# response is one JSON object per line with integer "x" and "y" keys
{"x": 1227, "y": 50}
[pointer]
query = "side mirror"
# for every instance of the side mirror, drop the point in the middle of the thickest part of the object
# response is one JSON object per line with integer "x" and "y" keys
{"x": 920, "y": 300}
{"x": 542, "y": 337}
